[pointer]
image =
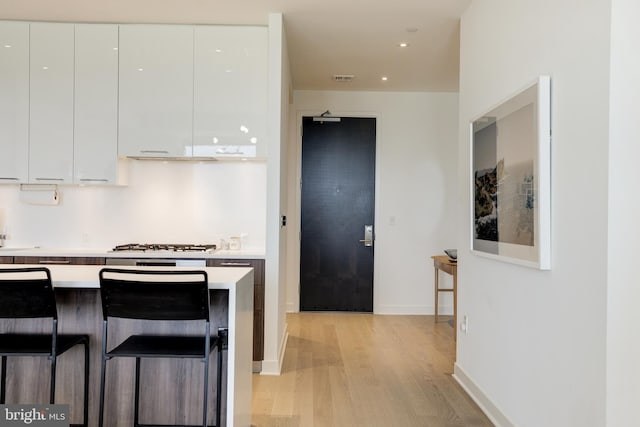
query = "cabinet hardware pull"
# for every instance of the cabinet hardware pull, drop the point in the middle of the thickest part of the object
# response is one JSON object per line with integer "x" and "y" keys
{"x": 235, "y": 264}
{"x": 93, "y": 180}
{"x": 49, "y": 179}
{"x": 154, "y": 151}
{"x": 8, "y": 179}
{"x": 51, "y": 261}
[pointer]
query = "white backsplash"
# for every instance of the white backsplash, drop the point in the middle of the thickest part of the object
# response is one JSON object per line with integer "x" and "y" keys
{"x": 171, "y": 202}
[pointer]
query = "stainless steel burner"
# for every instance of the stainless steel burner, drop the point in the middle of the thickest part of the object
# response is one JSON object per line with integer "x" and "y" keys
{"x": 150, "y": 247}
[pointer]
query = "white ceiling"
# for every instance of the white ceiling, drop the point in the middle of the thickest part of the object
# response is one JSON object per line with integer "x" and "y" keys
{"x": 325, "y": 37}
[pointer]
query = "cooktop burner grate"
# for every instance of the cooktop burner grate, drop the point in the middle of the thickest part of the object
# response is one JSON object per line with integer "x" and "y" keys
{"x": 149, "y": 247}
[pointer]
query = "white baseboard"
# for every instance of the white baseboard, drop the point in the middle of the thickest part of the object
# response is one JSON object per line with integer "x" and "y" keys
{"x": 412, "y": 310}
{"x": 445, "y": 310}
{"x": 482, "y": 400}
{"x": 274, "y": 367}
{"x": 292, "y": 307}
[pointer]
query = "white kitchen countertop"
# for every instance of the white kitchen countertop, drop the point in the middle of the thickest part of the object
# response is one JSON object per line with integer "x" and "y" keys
{"x": 86, "y": 276}
{"x": 78, "y": 252}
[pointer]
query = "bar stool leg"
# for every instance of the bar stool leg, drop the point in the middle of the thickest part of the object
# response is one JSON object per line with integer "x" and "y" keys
{"x": 3, "y": 390}
{"x": 85, "y": 415}
{"x": 103, "y": 372}
{"x": 219, "y": 386}
{"x": 52, "y": 391}
{"x": 136, "y": 406}
{"x": 205, "y": 398}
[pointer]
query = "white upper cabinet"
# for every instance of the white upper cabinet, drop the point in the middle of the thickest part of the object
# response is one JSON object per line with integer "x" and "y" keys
{"x": 96, "y": 104}
{"x": 75, "y": 97}
{"x": 156, "y": 91}
{"x": 230, "y": 96}
{"x": 51, "y": 103}
{"x": 14, "y": 102}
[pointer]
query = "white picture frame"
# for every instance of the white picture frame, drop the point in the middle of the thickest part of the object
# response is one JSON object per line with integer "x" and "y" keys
{"x": 511, "y": 178}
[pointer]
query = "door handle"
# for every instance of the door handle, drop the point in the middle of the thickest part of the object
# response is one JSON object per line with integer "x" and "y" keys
{"x": 235, "y": 264}
{"x": 368, "y": 236}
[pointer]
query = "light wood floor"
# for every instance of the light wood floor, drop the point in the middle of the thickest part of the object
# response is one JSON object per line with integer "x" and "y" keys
{"x": 351, "y": 370}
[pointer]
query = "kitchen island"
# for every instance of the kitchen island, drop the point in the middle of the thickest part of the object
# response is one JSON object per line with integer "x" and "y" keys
{"x": 170, "y": 391}
{"x": 245, "y": 257}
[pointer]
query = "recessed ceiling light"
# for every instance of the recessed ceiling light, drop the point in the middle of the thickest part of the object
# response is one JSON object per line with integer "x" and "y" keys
{"x": 254, "y": 140}
{"x": 403, "y": 44}
{"x": 384, "y": 78}
{"x": 7, "y": 45}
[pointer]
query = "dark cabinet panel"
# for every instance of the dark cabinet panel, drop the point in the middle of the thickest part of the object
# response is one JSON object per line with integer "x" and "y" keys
{"x": 258, "y": 298}
{"x": 58, "y": 260}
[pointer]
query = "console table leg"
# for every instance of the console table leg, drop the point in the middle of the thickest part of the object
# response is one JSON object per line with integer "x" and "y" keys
{"x": 435, "y": 286}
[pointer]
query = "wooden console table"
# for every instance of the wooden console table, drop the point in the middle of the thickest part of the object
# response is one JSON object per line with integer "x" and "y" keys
{"x": 443, "y": 263}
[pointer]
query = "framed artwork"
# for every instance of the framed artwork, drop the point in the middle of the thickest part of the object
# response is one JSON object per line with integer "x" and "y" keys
{"x": 511, "y": 179}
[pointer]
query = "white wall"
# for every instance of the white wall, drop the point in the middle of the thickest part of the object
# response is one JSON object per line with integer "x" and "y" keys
{"x": 535, "y": 348}
{"x": 623, "y": 345}
{"x": 415, "y": 191}
{"x": 170, "y": 202}
{"x": 275, "y": 327}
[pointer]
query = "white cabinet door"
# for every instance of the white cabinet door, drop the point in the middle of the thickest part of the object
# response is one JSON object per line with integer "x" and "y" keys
{"x": 14, "y": 102}
{"x": 156, "y": 91}
{"x": 230, "y": 95}
{"x": 51, "y": 103}
{"x": 96, "y": 104}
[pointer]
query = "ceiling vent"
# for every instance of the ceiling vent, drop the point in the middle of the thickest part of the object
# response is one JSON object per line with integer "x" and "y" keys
{"x": 343, "y": 77}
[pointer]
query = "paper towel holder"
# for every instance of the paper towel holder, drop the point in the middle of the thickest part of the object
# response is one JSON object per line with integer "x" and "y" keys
{"x": 39, "y": 194}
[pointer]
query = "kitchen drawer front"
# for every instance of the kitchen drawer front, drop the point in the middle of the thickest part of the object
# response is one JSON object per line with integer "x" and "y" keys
{"x": 59, "y": 260}
{"x": 6, "y": 260}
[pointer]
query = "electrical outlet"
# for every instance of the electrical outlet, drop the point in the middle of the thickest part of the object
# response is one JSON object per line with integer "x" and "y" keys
{"x": 464, "y": 325}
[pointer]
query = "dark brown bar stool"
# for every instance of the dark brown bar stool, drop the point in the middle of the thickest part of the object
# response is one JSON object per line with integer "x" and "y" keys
{"x": 27, "y": 293}
{"x": 159, "y": 295}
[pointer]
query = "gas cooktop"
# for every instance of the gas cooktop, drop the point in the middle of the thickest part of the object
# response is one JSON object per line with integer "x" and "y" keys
{"x": 150, "y": 247}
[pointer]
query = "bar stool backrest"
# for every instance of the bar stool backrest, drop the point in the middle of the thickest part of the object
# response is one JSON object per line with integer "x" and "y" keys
{"x": 154, "y": 295}
{"x": 26, "y": 293}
